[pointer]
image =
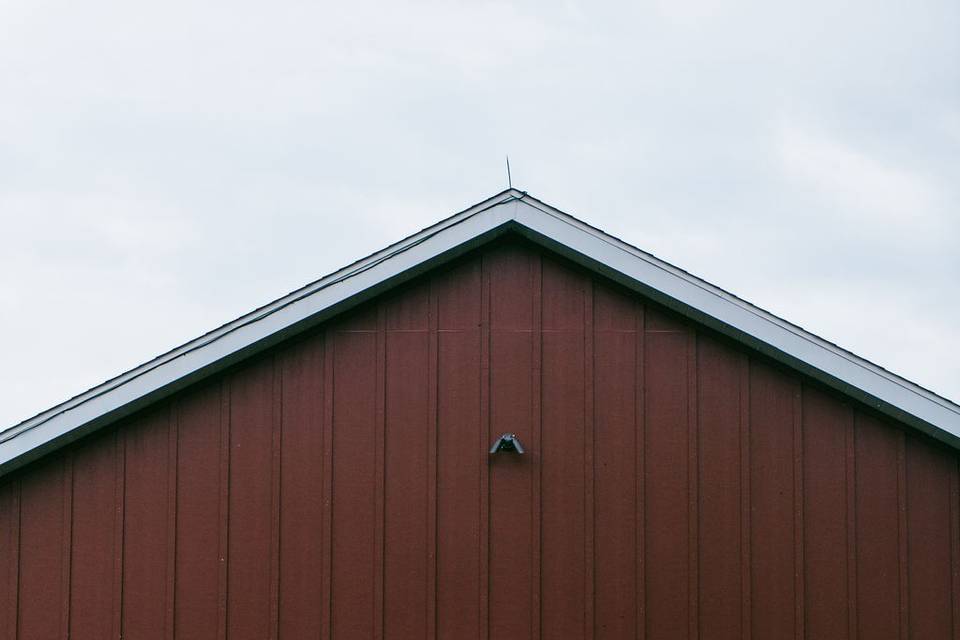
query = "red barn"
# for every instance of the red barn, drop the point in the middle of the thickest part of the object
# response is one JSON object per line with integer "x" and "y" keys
{"x": 685, "y": 465}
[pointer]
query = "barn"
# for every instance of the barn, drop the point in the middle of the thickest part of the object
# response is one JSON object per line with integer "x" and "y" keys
{"x": 510, "y": 425}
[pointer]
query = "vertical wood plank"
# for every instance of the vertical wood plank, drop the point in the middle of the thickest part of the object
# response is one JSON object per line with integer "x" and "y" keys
{"x": 170, "y": 571}
{"x": 798, "y": 539}
{"x": 773, "y": 517}
{"x": 119, "y": 500}
{"x": 251, "y": 494}
{"x": 826, "y": 424}
{"x": 406, "y": 462}
{"x": 589, "y": 472}
{"x": 877, "y": 524}
{"x": 146, "y": 510}
{"x": 718, "y": 387}
{"x": 903, "y": 577}
{"x": 618, "y": 509}
{"x": 693, "y": 489}
{"x": 66, "y": 560}
{"x": 198, "y": 558}
{"x": 326, "y": 544}
{"x": 41, "y": 572}
{"x": 276, "y": 449}
{"x": 461, "y": 454}
{"x": 223, "y": 509}
{"x": 929, "y": 469}
{"x": 564, "y": 445}
{"x": 850, "y": 484}
{"x": 955, "y": 545}
{"x": 486, "y": 430}
{"x": 746, "y": 557}
{"x": 92, "y": 546}
{"x": 640, "y": 469}
{"x": 354, "y": 483}
{"x": 303, "y": 467}
{"x": 379, "y": 473}
{"x": 667, "y": 482}
{"x": 9, "y": 557}
{"x": 432, "y": 445}
{"x": 512, "y": 387}
{"x": 536, "y": 471}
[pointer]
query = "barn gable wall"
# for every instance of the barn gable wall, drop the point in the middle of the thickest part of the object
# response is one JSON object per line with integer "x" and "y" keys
{"x": 674, "y": 484}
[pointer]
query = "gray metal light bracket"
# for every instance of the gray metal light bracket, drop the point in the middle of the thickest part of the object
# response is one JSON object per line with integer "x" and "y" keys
{"x": 507, "y": 442}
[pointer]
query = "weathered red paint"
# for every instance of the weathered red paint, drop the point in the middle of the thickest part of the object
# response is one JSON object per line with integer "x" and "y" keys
{"x": 674, "y": 486}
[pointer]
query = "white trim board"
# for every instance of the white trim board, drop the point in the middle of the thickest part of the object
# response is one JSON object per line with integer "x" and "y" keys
{"x": 509, "y": 211}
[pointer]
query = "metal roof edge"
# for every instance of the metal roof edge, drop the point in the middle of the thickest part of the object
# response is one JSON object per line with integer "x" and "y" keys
{"x": 706, "y": 303}
{"x": 255, "y": 331}
{"x": 511, "y": 209}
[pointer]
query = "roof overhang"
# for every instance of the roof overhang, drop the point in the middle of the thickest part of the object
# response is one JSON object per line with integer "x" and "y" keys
{"x": 510, "y": 211}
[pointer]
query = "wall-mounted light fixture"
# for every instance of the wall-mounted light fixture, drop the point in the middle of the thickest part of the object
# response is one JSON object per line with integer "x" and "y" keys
{"x": 507, "y": 442}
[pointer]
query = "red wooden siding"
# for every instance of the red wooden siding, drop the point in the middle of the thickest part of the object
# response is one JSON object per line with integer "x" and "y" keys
{"x": 675, "y": 486}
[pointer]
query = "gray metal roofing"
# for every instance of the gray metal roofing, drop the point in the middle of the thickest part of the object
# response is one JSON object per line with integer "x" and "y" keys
{"x": 509, "y": 211}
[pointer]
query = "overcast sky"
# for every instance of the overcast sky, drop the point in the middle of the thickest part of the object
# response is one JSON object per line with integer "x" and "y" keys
{"x": 168, "y": 166}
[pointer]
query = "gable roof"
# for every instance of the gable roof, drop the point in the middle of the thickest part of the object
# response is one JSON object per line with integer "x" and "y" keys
{"x": 509, "y": 211}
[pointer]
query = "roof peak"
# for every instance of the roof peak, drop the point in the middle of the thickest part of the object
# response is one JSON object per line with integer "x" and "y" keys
{"x": 509, "y": 211}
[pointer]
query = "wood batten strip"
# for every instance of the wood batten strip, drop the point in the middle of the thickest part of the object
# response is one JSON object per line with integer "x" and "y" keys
{"x": 640, "y": 465}
{"x": 850, "y": 471}
{"x": 379, "y": 470}
{"x": 276, "y": 444}
{"x": 224, "y": 542}
{"x": 119, "y": 496}
{"x": 433, "y": 382}
{"x": 589, "y": 466}
{"x": 746, "y": 624}
{"x": 693, "y": 485}
{"x": 902, "y": 541}
{"x": 536, "y": 419}
{"x": 326, "y": 589}
{"x": 798, "y": 535}
{"x": 485, "y": 438}
{"x": 170, "y": 591}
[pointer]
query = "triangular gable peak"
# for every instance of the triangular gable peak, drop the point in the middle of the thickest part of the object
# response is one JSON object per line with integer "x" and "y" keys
{"x": 510, "y": 211}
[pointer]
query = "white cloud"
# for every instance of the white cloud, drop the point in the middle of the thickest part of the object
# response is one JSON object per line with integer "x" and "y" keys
{"x": 165, "y": 167}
